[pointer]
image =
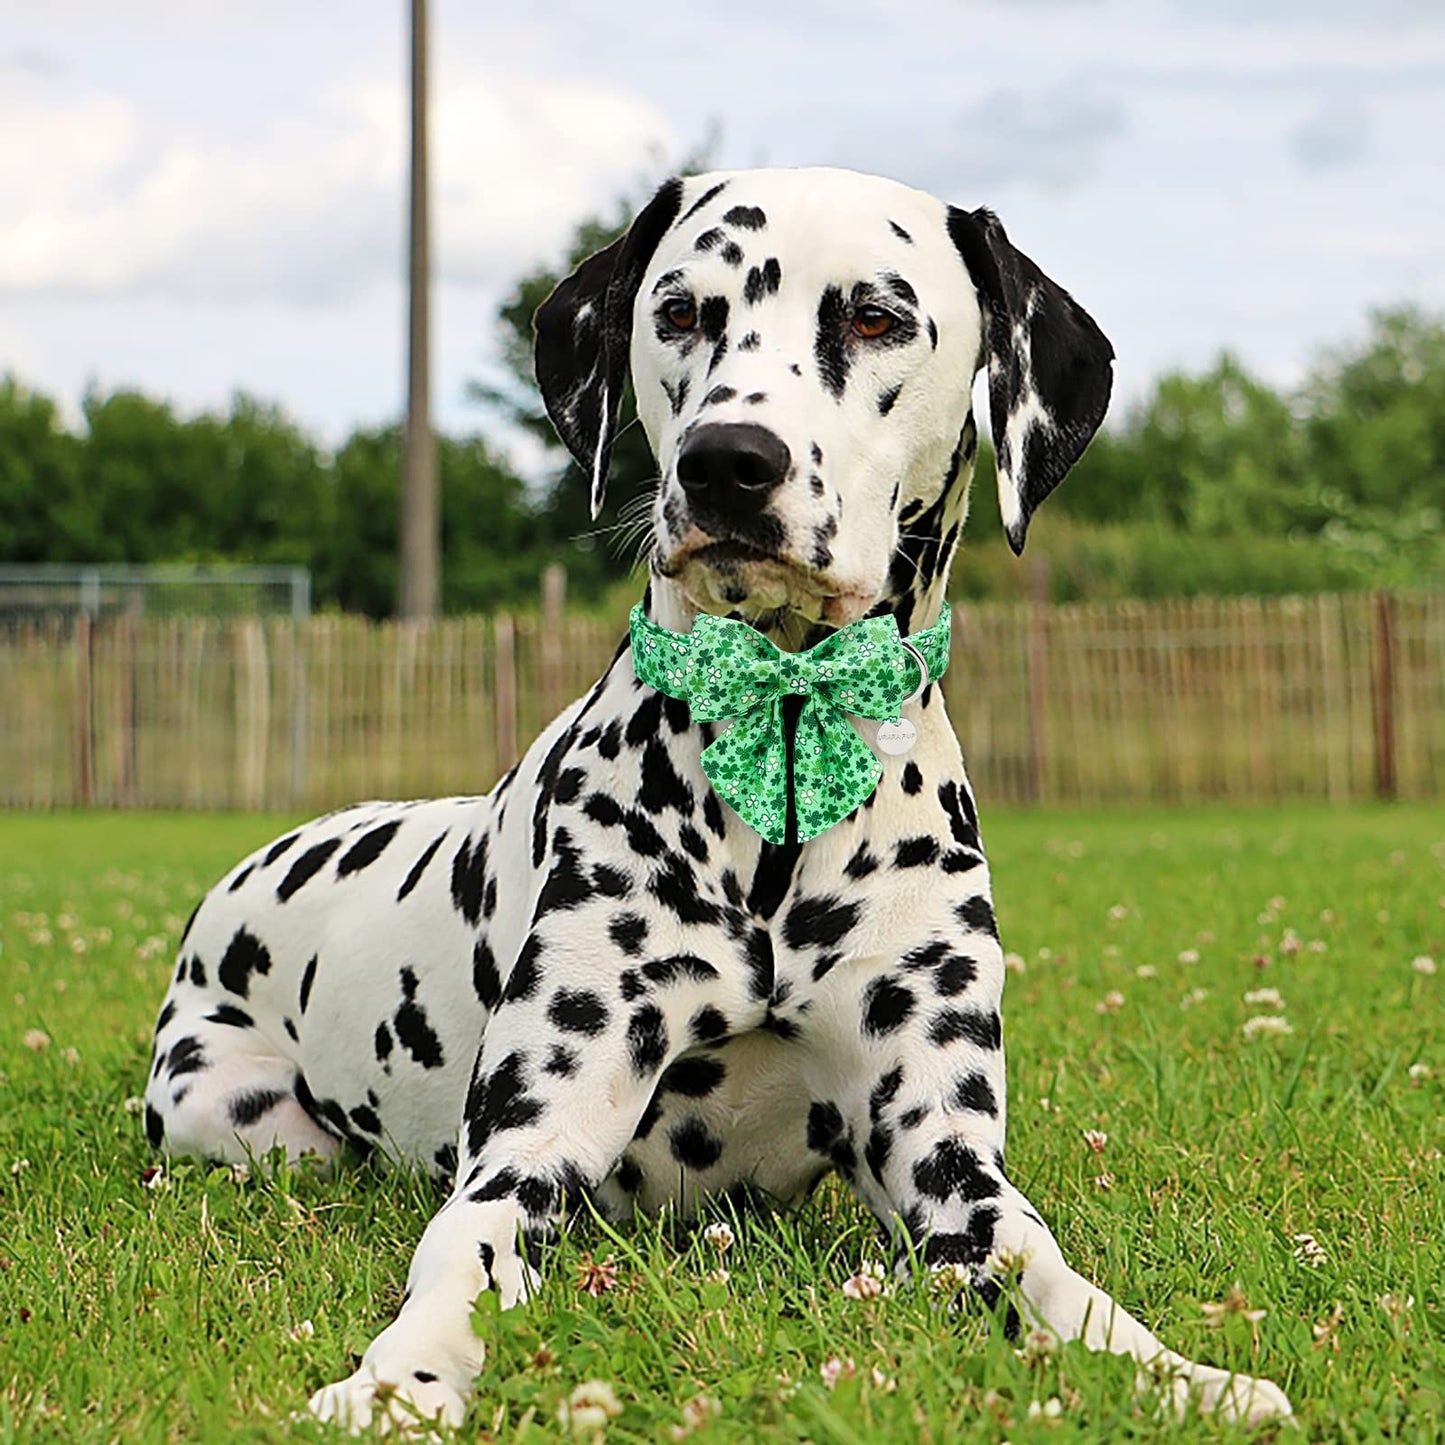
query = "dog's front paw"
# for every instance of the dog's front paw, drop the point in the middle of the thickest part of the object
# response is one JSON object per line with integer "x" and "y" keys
{"x": 411, "y": 1407}
{"x": 1239, "y": 1399}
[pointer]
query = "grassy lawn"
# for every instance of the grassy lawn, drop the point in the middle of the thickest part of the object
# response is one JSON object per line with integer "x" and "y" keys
{"x": 204, "y": 1308}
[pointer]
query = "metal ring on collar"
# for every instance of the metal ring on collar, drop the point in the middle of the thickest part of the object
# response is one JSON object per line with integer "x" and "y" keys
{"x": 922, "y": 672}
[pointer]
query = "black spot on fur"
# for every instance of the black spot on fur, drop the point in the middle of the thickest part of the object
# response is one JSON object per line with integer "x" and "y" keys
{"x": 954, "y": 975}
{"x": 413, "y": 1029}
{"x": 900, "y": 232}
{"x": 976, "y": 914}
{"x": 561, "y": 1062}
{"x": 308, "y": 977}
{"x": 241, "y": 877}
{"x": 280, "y": 846}
{"x": 712, "y": 815}
{"x": 499, "y": 1101}
{"x": 708, "y": 1025}
{"x": 829, "y": 347}
{"x": 976, "y": 1093}
{"x": 245, "y": 955}
{"x": 694, "y": 1077}
{"x": 819, "y": 922}
{"x": 629, "y": 932}
{"x": 647, "y": 1040}
{"x": 469, "y": 868}
{"x": 383, "y": 1042}
{"x": 186, "y": 1057}
{"x": 198, "y": 972}
{"x": 962, "y": 820}
{"x": 367, "y": 849}
{"x": 732, "y": 253}
{"x": 887, "y": 399}
{"x": 419, "y": 867}
{"x": 762, "y": 281}
{"x": 952, "y": 1169}
{"x": 525, "y": 975}
{"x": 710, "y": 240}
{"x": 578, "y": 1011}
{"x": 718, "y": 395}
{"x": 155, "y": 1128}
{"x": 750, "y": 342}
{"x": 674, "y": 885}
{"x": 747, "y": 218}
{"x": 708, "y": 195}
{"x": 884, "y": 1092}
{"x": 662, "y": 787}
{"x": 887, "y": 1006}
{"x": 982, "y": 1029}
{"x": 247, "y": 1108}
{"x": 693, "y": 1146}
{"x": 306, "y": 867}
{"x": 236, "y": 1018}
{"x": 912, "y": 780}
{"x": 915, "y": 852}
{"x": 486, "y": 977}
{"x": 825, "y": 1125}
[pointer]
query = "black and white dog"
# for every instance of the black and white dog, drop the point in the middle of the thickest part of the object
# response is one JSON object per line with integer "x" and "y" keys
{"x": 598, "y": 972}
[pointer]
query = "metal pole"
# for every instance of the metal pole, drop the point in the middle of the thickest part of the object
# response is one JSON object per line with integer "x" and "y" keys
{"x": 420, "y": 516}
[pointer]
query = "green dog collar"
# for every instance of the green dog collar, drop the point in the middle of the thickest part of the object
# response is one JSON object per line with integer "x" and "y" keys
{"x": 726, "y": 669}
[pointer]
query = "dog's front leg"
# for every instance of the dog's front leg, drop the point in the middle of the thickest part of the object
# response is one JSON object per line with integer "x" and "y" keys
{"x": 568, "y": 1065}
{"x": 909, "y": 1083}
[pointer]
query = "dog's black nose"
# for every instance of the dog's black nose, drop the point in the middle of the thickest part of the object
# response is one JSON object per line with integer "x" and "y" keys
{"x": 728, "y": 468}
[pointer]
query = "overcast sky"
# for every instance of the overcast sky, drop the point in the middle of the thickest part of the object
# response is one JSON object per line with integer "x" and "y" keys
{"x": 197, "y": 196}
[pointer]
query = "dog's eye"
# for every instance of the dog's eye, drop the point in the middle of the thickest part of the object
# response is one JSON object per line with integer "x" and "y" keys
{"x": 871, "y": 322}
{"x": 680, "y": 313}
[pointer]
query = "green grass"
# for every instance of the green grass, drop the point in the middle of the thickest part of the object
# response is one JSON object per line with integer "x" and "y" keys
{"x": 138, "y": 1314}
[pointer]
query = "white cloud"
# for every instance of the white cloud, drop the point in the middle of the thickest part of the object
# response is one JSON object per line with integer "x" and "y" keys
{"x": 106, "y": 199}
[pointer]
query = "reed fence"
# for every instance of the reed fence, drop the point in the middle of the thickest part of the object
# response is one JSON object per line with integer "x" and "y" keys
{"x": 1332, "y": 697}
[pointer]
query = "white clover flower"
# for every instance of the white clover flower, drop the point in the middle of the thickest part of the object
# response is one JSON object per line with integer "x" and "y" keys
{"x": 1193, "y": 997}
{"x": 18, "y": 1167}
{"x": 1318, "y": 945}
{"x": 834, "y": 1369}
{"x": 1096, "y": 1139}
{"x": 1262, "y": 1024}
{"x": 1118, "y": 913}
{"x": 134, "y": 1105}
{"x": 1425, "y": 965}
{"x": 1264, "y": 998}
{"x": 302, "y": 1331}
{"x": 1189, "y": 955}
{"x": 589, "y": 1407}
{"x": 1290, "y": 943}
{"x": 36, "y": 1040}
{"x": 1420, "y": 1072}
{"x": 1396, "y": 1306}
{"x": 720, "y": 1236}
{"x": 1050, "y": 1409}
{"x": 1111, "y": 1003}
{"x": 1146, "y": 970}
{"x": 867, "y": 1283}
{"x": 1014, "y": 963}
{"x": 1308, "y": 1250}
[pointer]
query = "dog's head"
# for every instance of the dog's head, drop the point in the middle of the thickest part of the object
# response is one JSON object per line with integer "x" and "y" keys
{"x": 803, "y": 346}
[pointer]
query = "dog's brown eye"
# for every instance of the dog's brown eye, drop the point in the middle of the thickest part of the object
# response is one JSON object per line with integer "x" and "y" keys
{"x": 871, "y": 322}
{"x": 680, "y": 313}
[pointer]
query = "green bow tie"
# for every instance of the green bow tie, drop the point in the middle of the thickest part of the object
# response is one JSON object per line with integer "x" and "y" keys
{"x": 726, "y": 669}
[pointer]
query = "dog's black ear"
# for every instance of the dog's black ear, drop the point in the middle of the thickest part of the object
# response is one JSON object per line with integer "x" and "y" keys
{"x": 584, "y": 335}
{"x": 1050, "y": 368}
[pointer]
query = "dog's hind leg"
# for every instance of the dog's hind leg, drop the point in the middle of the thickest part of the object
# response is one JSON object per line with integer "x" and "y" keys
{"x": 223, "y": 1091}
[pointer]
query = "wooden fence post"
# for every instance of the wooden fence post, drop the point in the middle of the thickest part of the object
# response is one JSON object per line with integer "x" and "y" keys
{"x": 1384, "y": 695}
{"x": 1038, "y": 678}
{"x": 554, "y": 596}
{"x": 84, "y": 710}
{"x": 504, "y": 634}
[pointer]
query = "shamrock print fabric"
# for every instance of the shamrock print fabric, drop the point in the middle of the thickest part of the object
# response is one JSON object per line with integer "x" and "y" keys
{"x": 726, "y": 669}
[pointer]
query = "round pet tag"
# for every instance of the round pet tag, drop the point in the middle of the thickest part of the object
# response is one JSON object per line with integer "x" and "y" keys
{"x": 895, "y": 738}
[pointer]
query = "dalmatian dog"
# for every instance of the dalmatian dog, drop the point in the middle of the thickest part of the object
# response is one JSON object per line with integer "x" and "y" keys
{"x": 597, "y": 981}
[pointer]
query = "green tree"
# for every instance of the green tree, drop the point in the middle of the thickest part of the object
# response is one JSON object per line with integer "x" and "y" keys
{"x": 39, "y": 479}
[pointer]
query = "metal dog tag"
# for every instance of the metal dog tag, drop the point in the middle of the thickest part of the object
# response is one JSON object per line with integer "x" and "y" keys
{"x": 896, "y": 738}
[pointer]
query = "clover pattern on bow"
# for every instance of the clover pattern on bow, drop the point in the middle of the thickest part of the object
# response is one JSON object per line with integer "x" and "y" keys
{"x": 726, "y": 669}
